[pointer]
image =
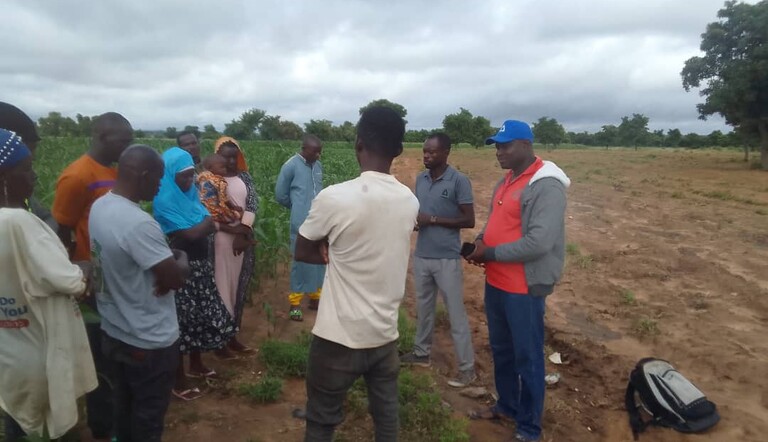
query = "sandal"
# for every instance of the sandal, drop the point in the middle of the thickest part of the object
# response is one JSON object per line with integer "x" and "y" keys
{"x": 295, "y": 314}
{"x": 211, "y": 373}
{"x": 490, "y": 413}
{"x": 188, "y": 395}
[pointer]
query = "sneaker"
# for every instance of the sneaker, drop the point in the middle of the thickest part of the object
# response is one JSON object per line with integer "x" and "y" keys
{"x": 314, "y": 304}
{"x": 414, "y": 359}
{"x": 464, "y": 379}
{"x": 523, "y": 438}
{"x": 295, "y": 313}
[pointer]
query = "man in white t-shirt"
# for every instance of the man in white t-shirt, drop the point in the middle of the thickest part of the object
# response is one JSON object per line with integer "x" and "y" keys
{"x": 361, "y": 228}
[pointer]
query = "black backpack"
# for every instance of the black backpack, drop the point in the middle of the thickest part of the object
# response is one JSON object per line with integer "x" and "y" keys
{"x": 671, "y": 399}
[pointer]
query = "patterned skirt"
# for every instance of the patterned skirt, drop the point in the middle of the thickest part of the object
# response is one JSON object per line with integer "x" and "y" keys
{"x": 204, "y": 322}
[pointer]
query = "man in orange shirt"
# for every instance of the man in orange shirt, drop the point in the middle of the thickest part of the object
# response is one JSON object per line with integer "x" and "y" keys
{"x": 80, "y": 184}
{"x": 523, "y": 249}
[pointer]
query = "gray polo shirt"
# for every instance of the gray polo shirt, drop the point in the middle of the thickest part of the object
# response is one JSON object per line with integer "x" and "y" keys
{"x": 441, "y": 198}
{"x": 125, "y": 244}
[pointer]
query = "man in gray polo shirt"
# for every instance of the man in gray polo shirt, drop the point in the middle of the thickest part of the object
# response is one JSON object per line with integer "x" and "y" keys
{"x": 445, "y": 197}
{"x": 136, "y": 274}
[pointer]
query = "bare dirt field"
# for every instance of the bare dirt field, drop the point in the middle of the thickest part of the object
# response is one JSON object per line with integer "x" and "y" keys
{"x": 668, "y": 257}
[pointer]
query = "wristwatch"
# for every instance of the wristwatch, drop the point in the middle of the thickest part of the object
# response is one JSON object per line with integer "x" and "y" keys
{"x": 433, "y": 219}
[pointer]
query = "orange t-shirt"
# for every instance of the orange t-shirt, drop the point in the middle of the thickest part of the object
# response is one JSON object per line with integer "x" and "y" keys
{"x": 80, "y": 184}
{"x": 505, "y": 226}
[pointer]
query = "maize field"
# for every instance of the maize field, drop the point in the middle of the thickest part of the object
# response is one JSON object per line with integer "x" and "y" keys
{"x": 264, "y": 161}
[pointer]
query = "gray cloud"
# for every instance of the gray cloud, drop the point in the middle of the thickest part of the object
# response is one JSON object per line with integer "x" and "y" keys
{"x": 171, "y": 62}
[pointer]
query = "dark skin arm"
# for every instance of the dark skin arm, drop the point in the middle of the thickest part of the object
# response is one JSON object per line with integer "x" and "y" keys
{"x": 312, "y": 252}
{"x": 465, "y": 221}
{"x": 170, "y": 273}
{"x": 65, "y": 235}
{"x": 201, "y": 230}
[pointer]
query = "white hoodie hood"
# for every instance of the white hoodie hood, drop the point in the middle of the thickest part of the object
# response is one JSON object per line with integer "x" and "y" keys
{"x": 550, "y": 170}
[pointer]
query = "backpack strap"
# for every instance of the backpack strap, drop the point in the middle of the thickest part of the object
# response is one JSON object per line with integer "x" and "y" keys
{"x": 635, "y": 420}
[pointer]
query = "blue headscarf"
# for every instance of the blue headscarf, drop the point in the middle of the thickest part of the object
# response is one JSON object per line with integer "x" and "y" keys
{"x": 176, "y": 210}
{"x": 12, "y": 149}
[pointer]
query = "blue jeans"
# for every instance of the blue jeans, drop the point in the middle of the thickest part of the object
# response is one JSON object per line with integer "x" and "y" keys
{"x": 516, "y": 332}
{"x": 13, "y": 432}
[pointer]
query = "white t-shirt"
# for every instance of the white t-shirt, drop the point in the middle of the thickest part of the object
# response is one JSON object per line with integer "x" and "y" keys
{"x": 368, "y": 222}
{"x": 45, "y": 359}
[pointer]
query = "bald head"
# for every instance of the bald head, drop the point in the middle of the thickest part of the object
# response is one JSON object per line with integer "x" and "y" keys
{"x": 311, "y": 148}
{"x": 139, "y": 171}
{"x": 111, "y": 133}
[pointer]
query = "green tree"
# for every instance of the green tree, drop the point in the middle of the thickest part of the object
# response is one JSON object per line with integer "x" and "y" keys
{"x": 245, "y": 127}
{"x": 138, "y": 133}
{"x": 717, "y": 139}
{"x": 548, "y": 131}
{"x": 463, "y": 127}
{"x": 608, "y": 136}
{"x": 210, "y": 132}
{"x": 273, "y": 128}
{"x": 633, "y": 132}
{"x": 417, "y": 136}
{"x": 656, "y": 138}
{"x": 584, "y": 138}
{"x": 399, "y": 108}
{"x": 171, "y": 132}
{"x": 57, "y": 125}
{"x": 84, "y": 125}
{"x": 321, "y": 128}
{"x": 673, "y": 137}
{"x": 733, "y": 73}
{"x": 346, "y": 131}
{"x": 194, "y": 129}
{"x": 693, "y": 141}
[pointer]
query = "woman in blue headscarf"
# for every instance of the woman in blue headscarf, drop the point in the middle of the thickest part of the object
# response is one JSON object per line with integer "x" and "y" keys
{"x": 204, "y": 322}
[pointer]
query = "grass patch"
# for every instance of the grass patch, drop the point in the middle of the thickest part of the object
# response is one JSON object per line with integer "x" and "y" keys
{"x": 407, "y": 330}
{"x": 572, "y": 249}
{"x": 677, "y": 195}
{"x": 585, "y": 262}
{"x": 761, "y": 212}
{"x": 646, "y": 328}
{"x": 628, "y": 297}
{"x": 422, "y": 413}
{"x": 268, "y": 389}
{"x": 286, "y": 358}
{"x": 441, "y": 315}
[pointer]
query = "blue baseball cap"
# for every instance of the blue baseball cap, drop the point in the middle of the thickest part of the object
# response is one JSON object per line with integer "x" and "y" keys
{"x": 512, "y": 130}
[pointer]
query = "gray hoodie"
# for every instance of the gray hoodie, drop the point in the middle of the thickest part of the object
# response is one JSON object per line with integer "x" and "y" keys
{"x": 542, "y": 247}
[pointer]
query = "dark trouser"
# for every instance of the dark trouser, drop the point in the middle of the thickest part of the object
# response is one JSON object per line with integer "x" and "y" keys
{"x": 13, "y": 432}
{"x": 142, "y": 383}
{"x": 98, "y": 402}
{"x": 333, "y": 368}
{"x": 516, "y": 332}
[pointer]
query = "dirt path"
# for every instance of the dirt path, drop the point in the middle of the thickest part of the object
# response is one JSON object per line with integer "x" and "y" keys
{"x": 671, "y": 262}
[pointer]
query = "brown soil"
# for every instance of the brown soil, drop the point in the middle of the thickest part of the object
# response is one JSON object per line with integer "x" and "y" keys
{"x": 685, "y": 232}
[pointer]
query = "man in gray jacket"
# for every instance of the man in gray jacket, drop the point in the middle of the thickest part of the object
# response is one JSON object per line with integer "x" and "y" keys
{"x": 523, "y": 249}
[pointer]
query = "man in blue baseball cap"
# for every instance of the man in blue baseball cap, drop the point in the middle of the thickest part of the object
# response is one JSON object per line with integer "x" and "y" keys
{"x": 523, "y": 249}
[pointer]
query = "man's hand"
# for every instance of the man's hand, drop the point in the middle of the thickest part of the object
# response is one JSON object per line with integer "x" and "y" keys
{"x": 423, "y": 219}
{"x": 478, "y": 256}
{"x": 241, "y": 244}
{"x": 182, "y": 261}
{"x": 87, "y": 269}
{"x": 324, "y": 251}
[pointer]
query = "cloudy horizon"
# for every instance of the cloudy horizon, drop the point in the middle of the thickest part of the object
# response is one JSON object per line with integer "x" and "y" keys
{"x": 166, "y": 63}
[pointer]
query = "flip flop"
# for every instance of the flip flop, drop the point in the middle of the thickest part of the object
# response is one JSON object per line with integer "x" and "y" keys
{"x": 188, "y": 395}
{"x": 490, "y": 413}
{"x": 211, "y": 373}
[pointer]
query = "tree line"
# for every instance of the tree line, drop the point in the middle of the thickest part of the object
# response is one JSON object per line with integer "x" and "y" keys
{"x": 462, "y": 127}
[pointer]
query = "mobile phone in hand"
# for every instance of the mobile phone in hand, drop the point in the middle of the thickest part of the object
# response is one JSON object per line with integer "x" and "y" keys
{"x": 467, "y": 248}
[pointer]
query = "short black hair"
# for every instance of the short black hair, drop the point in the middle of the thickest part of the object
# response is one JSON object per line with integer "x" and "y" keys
{"x": 311, "y": 137}
{"x": 14, "y": 119}
{"x": 182, "y": 133}
{"x": 443, "y": 140}
{"x": 106, "y": 122}
{"x": 381, "y": 130}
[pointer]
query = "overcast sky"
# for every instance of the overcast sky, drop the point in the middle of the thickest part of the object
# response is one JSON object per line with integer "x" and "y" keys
{"x": 177, "y": 62}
